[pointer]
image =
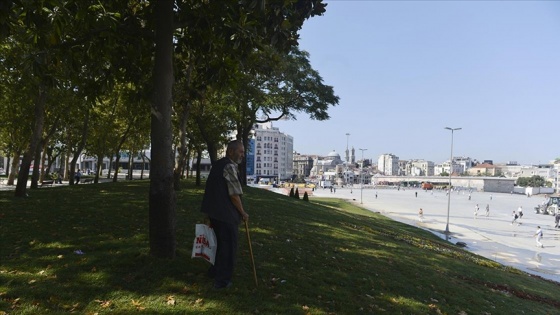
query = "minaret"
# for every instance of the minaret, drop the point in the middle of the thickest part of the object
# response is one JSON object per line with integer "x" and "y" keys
{"x": 347, "y": 157}
{"x": 354, "y": 156}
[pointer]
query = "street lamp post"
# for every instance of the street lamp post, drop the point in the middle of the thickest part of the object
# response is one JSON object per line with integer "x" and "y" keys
{"x": 450, "y": 171}
{"x": 362, "y": 176}
{"x": 347, "y": 159}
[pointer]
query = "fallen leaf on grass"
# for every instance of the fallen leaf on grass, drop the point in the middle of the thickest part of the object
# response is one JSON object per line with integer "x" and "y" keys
{"x": 199, "y": 302}
{"x": 138, "y": 305}
{"x": 104, "y": 304}
{"x": 171, "y": 300}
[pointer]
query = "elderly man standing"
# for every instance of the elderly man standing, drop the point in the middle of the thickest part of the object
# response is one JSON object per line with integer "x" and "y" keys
{"x": 222, "y": 203}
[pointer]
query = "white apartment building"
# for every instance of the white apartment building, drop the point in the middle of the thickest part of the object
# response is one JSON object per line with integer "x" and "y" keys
{"x": 420, "y": 168}
{"x": 388, "y": 164}
{"x": 273, "y": 154}
{"x": 445, "y": 167}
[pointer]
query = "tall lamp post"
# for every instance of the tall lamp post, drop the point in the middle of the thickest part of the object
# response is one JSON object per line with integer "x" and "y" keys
{"x": 362, "y": 176}
{"x": 450, "y": 171}
{"x": 347, "y": 159}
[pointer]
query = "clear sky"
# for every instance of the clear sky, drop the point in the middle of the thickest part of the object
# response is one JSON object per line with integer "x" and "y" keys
{"x": 404, "y": 70}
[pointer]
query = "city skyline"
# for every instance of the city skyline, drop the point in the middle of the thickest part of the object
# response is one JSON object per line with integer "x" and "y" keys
{"x": 405, "y": 70}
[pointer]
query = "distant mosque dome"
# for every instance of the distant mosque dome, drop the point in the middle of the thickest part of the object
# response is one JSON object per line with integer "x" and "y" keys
{"x": 334, "y": 154}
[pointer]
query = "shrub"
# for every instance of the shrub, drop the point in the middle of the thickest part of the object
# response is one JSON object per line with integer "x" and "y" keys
{"x": 292, "y": 192}
{"x": 296, "y": 194}
{"x": 305, "y": 197}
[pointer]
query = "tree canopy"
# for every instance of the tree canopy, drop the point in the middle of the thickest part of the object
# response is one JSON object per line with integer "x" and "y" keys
{"x": 89, "y": 76}
{"x": 533, "y": 181}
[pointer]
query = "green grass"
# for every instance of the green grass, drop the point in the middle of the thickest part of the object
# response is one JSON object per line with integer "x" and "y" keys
{"x": 325, "y": 256}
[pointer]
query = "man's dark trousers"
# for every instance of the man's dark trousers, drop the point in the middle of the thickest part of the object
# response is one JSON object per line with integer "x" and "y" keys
{"x": 226, "y": 235}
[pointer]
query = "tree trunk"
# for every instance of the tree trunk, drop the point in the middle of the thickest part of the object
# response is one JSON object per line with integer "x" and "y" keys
{"x": 198, "y": 160}
{"x": 130, "y": 154}
{"x": 117, "y": 163}
{"x": 67, "y": 168}
{"x": 243, "y": 136}
{"x": 39, "y": 112}
{"x": 212, "y": 151}
{"x": 119, "y": 148}
{"x": 80, "y": 147}
{"x": 143, "y": 155}
{"x": 98, "y": 167}
{"x": 14, "y": 168}
{"x": 8, "y": 169}
{"x": 182, "y": 149}
{"x": 36, "y": 174}
{"x": 162, "y": 213}
{"x": 110, "y": 167}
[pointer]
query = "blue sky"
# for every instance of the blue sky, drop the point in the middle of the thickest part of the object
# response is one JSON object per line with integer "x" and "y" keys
{"x": 404, "y": 70}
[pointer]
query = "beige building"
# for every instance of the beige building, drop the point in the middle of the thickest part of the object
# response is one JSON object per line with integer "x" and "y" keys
{"x": 483, "y": 169}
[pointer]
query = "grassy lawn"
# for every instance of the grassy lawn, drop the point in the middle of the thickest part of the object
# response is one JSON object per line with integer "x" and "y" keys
{"x": 319, "y": 257}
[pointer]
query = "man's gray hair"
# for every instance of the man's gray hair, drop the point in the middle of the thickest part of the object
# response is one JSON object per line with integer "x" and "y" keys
{"x": 232, "y": 145}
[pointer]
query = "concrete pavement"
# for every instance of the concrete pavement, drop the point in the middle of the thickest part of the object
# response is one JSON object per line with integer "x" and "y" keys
{"x": 493, "y": 237}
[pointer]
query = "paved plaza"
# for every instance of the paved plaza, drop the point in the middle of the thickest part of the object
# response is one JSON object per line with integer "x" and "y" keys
{"x": 493, "y": 237}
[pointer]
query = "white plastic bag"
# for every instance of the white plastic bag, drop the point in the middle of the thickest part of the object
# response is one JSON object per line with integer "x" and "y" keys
{"x": 204, "y": 245}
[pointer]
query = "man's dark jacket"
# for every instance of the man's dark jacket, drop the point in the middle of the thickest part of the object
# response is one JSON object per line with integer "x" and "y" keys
{"x": 216, "y": 202}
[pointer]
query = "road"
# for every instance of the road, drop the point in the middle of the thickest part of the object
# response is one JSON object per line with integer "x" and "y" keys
{"x": 493, "y": 237}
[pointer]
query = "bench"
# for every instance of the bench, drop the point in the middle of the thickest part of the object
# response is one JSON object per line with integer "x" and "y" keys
{"x": 87, "y": 180}
{"x": 47, "y": 183}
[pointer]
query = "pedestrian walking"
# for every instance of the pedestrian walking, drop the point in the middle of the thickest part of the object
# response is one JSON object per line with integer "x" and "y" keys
{"x": 77, "y": 176}
{"x": 487, "y": 209}
{"x": 376, "y": 195}
{"x": 514, "y": 217}
{"x": 416, "y": 194}
{"x": 520, "y": 212}
{"x": 469, "y": 196}
{"x": 476, "y": 208}
{"x": 538, "y": 237}
{"x": 557, "y": 220}
{"x": 59, "y": 176}
{"x": 421, "y": 215}
{"x": 490, "y": 197}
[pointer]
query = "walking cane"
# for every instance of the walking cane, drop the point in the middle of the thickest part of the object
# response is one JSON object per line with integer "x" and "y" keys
{"x": 251, "y": 252}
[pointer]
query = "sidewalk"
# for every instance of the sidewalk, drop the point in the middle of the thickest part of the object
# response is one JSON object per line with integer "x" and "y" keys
{"x": 493, "y": 237}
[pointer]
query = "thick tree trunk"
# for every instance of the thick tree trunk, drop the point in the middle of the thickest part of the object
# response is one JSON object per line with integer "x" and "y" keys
{"x": 212, "y": 151}
{"x": 23, "y": 175}
{"x": 162, "y": 213}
